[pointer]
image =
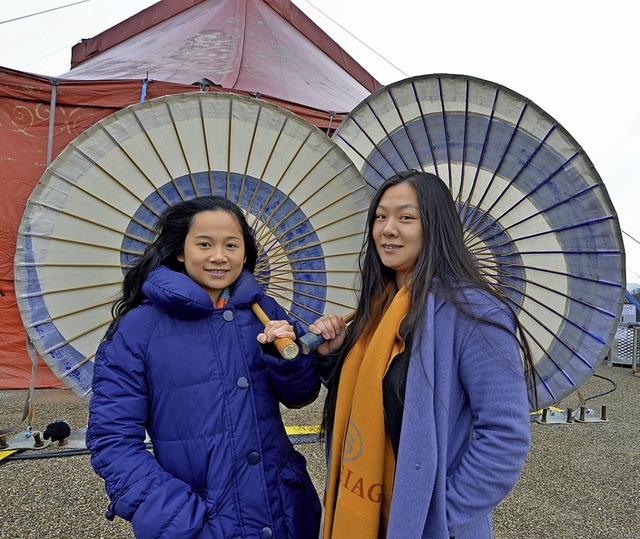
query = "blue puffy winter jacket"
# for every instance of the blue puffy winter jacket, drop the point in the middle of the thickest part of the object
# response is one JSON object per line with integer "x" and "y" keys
{"x": 197, "y": 380}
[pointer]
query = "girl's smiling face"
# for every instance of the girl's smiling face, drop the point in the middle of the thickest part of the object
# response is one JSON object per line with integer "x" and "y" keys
{"x": 214, "y": 252}
{"x": 397, "y": 230}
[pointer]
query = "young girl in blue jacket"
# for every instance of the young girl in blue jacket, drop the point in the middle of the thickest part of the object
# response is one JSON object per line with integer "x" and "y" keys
{"x": 187, "y": 362}
{"x": 427, "y": 411}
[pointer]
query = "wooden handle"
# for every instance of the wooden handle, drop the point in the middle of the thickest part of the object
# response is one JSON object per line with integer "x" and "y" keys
{"x": 287, "y": 348}
{"x": 310, "y": 341}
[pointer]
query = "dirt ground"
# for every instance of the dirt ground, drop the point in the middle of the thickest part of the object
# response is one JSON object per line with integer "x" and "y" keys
{"x": 580, "y": 481}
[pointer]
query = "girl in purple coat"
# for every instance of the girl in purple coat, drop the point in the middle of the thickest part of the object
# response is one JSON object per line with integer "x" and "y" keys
{"x": 187, "y": 362}
{"x": 427, "y": 411}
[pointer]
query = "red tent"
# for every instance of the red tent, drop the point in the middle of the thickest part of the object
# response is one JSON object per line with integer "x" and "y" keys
{"x": 265, "y": 48}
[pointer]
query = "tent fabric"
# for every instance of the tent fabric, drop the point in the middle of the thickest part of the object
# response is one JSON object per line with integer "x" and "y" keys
{"x": 95, "y": 89}
{"x": 264, "y": 47}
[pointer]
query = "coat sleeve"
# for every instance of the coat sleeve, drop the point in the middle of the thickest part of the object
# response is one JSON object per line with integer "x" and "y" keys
{"x": 492, "y": 375}
{"x": 140, "y": 490}
{"x": 296, "y": 381}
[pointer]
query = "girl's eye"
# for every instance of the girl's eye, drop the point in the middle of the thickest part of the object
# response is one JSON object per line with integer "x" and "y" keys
{"x": 379, "y": 216}
{"x": 204, "y": 244}
{"x": 232, "y": 245}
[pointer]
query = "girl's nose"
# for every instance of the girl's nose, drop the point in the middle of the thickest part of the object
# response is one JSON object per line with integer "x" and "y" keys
{"x": 389, "y": 228}
{"x": 217, "y": 254}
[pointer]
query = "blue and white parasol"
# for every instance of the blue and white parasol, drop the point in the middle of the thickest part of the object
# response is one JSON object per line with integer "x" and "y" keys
{"x": 93, "y": 212}
{"x": 536, "y": 214}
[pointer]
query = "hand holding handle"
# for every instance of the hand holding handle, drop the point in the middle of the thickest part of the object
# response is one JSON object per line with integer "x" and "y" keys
{"x": 287, "y": 348}
{"x": 310, "y": 341}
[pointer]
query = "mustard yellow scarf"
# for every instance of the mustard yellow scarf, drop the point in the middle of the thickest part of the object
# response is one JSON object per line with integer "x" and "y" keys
{"x": 362, "y": 463}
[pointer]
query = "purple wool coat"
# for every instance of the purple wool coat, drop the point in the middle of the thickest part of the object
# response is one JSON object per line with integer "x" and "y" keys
{"x": 466, "y": 427}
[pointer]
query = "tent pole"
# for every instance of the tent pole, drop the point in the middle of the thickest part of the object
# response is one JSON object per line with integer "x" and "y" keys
{"x": 52, "y": 118}
{"x": 145, "y": 83}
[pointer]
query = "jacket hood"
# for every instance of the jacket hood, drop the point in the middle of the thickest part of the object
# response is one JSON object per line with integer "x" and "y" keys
{"x": 178, "y": 295}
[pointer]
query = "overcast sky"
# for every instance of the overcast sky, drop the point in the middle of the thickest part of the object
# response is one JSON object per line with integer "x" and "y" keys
{"x": 575, "y": 59}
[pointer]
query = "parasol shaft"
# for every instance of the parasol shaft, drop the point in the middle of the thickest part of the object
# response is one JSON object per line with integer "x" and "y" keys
{"x": 310, "y": 341}
{"x": 287, "y": 348}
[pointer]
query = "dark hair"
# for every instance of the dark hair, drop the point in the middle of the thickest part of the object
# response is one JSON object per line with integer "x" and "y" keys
{"x": 172, "y": 228}
{"x": 444, "y": 266}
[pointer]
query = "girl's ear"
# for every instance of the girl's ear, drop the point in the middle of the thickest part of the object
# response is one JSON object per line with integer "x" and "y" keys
{"x": 180, "y": 257}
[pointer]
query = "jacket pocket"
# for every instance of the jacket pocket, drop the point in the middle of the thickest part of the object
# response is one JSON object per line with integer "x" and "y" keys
{"x": 300, "y": 501}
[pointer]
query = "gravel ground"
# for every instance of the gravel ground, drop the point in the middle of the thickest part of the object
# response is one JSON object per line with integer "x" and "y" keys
{"x": 580, "y": 481}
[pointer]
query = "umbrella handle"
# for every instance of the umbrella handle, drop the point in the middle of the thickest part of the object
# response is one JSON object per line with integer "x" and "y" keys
{"x": 310, "y": 341}
{"x": 287, "y": 348}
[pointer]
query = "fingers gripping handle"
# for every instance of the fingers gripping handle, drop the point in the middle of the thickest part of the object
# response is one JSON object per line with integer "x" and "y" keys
{"x": 310, "y": 341}
{"x": 287, "y": 348}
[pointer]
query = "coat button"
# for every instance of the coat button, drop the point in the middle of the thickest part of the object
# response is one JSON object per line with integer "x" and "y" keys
{"x": 253, "y": 458}
{"x": 242, "y": 382}
{"x": 266, "y": 533}
{"x": 227, "y": 315}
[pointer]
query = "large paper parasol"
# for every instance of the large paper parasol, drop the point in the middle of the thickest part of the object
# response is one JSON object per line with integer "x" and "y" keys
{"x": 93, "y": 211}
{"x": 536, "y": 213}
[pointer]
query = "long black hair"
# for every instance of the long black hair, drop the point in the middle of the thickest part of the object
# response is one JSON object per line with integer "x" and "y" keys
{"x": 444, "y": 266}
{"x": 172, "y": 228}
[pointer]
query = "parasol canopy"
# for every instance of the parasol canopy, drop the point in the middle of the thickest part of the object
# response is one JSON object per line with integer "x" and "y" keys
{"x": 535, "y": 212}
{"x": 93, "y": 212}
